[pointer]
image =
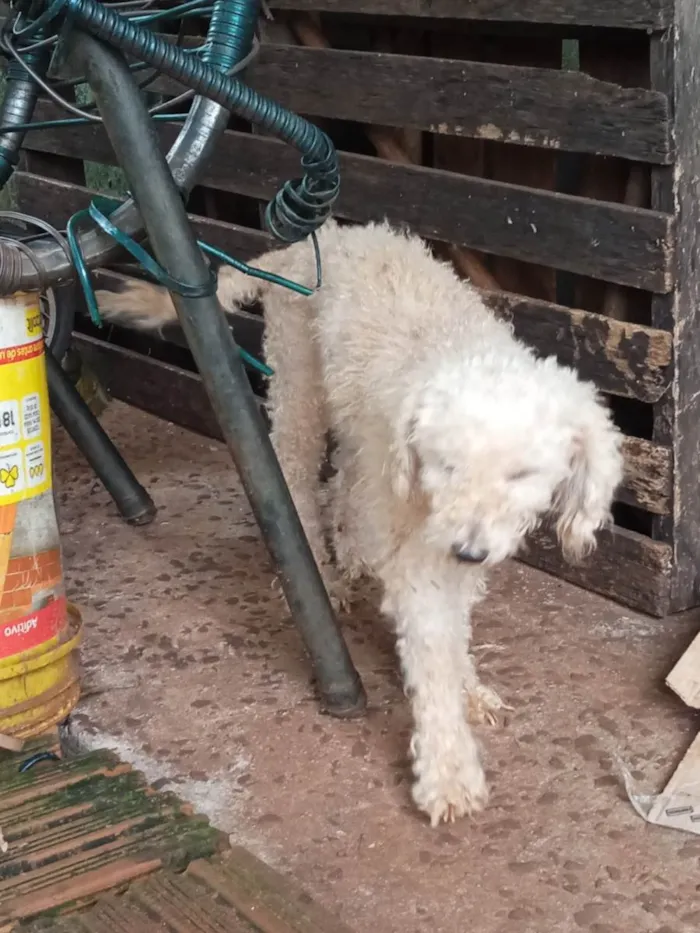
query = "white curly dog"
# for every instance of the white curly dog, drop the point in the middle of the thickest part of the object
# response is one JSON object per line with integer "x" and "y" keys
{"x": 453, "y": 442}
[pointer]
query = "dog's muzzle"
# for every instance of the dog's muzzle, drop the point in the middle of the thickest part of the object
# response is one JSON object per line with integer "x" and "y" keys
{"x": 469, "y": 555}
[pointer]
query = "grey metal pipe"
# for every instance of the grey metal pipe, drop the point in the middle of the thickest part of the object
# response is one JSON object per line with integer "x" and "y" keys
{"x": 135, "y": 505}
{"x": 209, "y": 337}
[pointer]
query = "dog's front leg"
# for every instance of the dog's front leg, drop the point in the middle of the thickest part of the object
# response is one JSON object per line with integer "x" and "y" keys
{"x": 424, "y": 602}
{"x": 484, "y": 705}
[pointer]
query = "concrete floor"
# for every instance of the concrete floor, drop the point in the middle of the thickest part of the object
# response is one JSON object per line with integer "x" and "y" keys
{"x": 195, "y": 673}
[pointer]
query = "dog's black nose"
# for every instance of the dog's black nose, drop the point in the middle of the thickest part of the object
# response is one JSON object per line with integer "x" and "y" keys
{"x": 468, "y": 554}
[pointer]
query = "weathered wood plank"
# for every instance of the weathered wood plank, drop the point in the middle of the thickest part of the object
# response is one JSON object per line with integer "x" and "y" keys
{"x": 622, "y": 359}
{"x": 531, "y": 106}
{"x": 55, "y": 201}
{"x": 627, "y": 567}
{"x": 620, "y": 244}
{"x": 48, "y": 163}
{"x": 648, "y": 482}
{"x": 247, "y": 327}
{"x": 166, "y": 391}
{"x": 648, "y": 477}
{"x": 626, "y": 14}
{"x": 686, "y": 387}
{"x": 648, "y": 466}
{"x": 663, "y": 198}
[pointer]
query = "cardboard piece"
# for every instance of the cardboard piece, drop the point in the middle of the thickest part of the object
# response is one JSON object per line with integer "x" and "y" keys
{"x": 684, "y": 679}
{"x": 678, "y": 804}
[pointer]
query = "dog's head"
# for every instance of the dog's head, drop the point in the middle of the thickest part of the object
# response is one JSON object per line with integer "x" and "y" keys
{"x": 491, "y": 447}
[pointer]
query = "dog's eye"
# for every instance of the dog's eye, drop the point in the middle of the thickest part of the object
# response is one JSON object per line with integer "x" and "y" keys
{"x": 444, "y": 465}
{"x": 521, "y": 474}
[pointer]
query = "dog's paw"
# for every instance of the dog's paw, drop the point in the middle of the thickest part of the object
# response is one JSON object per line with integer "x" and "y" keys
{"x": 449, "y": 789}
{"x": 339, "y": 591}
{"x": 340, "y": 602}
{"x": 485, "y": 707}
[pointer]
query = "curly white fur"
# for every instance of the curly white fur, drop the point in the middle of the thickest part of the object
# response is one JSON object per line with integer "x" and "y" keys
{"x": 454, "y": 441}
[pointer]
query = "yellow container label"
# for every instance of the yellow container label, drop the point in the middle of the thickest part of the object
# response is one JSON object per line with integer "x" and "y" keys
{"x": 25, "y": 427}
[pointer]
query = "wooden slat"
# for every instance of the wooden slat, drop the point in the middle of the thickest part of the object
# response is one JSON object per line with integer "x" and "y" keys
{"x": 235, "y": 893}
{"x": 627, "y": 14}
{"x": 87, "y": 826}
{"x": 55, "y": 201}
{"x": 608, "y": 241}
{"x": 48, "y": 163}
{"x": 663, "y": 307}
{"x": 159, "y": 388}
{"x": 270, "y": 902}
{"x": 530, "y": 106}
{"x": 532, "y": 167}
{"x": 177, "y": 395}
{"x": 622, "y": 359}
{"x": 648, "y": 480}
{"x": 627, "y": 567}
{"x": 683, "y": 81}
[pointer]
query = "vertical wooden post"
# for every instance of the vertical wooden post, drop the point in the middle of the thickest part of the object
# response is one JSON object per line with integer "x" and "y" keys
{"x": 677, "y": 65}
{"x": 663, "y": 198}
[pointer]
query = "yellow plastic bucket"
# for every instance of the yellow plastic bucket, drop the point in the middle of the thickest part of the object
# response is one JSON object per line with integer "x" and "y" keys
{"x": 39, "y": 631}
{"x": 40, "y": 687}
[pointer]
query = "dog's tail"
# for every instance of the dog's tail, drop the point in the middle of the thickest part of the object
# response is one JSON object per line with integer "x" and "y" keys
{"x": 143, "y": 306}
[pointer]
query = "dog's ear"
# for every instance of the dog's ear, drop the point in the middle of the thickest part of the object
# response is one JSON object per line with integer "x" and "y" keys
{"x": 403, "y": 463}
{"x": 585, "y": 498}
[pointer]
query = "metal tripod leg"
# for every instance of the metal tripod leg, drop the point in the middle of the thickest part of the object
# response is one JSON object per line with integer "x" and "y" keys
{"x": 210, "y": 340}
{"x": 135, "y": 505}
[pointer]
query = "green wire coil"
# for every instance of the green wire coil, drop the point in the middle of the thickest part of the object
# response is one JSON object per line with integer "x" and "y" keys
{"x": 100, "y": 209}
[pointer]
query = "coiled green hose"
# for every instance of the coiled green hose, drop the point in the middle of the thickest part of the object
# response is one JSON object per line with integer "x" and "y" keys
{"x": 302, "y": 205}
{"x": 231, "y": 32}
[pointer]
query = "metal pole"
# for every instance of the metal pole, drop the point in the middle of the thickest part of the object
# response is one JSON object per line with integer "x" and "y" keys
{"x": 136, "y": 147}
{"x": 135, "y": 505}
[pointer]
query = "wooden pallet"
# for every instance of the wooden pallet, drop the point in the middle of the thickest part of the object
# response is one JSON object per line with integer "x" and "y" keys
{"x": 78, "y": 827}
{"x": 569, "y": 185}
{"x": 91, "y": 848}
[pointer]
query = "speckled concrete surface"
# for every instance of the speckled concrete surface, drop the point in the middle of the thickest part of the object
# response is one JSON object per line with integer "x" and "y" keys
{"x": 196, "y": 674}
